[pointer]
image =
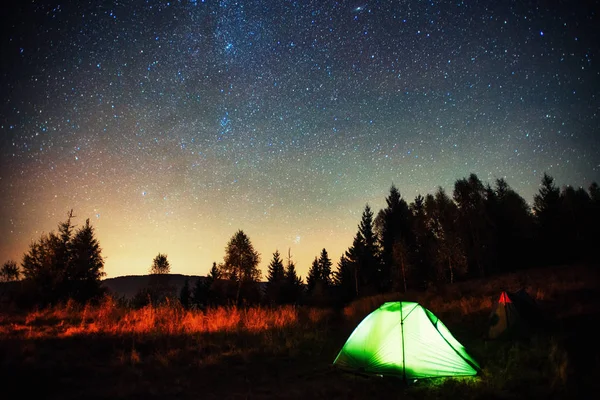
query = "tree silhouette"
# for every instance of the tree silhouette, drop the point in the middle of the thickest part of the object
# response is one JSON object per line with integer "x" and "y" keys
{"x": 576, "y": 214}
{"x": 325, "y": 268}
{"x": 241, "y": 263}
{"x": 474, "y": 222}
{"x": 9, "y": 271}
{"x": 159, "y": 284}
{"x": 276, "y": 272}
{"x": 203, "y": 293}
{"x": 402, "y": 265}
{"x": 293, "y": 283}
{"x": 394, "y": 226}
{"x": 275, "y": 279}
{"x": 160, "y": 265}
{"x": 86, "y": 264}
{"x": 313, "y": 277}
{"x": 423, "y": 271}
{"x": 363, "y": 256}
{"x": 514, "y": 227}
{"x": 318, "y": 281}
{"x": 448, "y": 253}
{"x": 343, "y": 279}
{"x": 547, "y": 214}
{"x": 64, "y": 265}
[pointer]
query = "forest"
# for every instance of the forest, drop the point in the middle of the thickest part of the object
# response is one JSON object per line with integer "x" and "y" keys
{"x": 478, "y": 231}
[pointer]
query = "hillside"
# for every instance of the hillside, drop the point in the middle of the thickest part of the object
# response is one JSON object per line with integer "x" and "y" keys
{"x": 127, "y": 286}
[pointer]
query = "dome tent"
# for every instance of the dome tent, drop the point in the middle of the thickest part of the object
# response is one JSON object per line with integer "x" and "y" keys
{"x": 405, "y": 339}
{"x": 514, "y": 314}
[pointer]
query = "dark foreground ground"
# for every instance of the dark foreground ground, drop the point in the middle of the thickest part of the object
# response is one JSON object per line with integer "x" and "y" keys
{"x": 560, "y": 359}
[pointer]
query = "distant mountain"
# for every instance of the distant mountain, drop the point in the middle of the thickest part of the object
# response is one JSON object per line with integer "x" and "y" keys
{"x": 127, "y": 286}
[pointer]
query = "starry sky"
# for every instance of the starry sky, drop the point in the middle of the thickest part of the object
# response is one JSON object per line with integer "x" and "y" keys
{"x": 171, "y": 125}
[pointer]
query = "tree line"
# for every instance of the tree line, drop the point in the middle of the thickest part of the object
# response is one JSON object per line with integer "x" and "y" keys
{"x": 478, "y": 231}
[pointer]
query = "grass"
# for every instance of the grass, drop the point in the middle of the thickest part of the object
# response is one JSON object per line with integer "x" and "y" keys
{"x": 106, "y": 351}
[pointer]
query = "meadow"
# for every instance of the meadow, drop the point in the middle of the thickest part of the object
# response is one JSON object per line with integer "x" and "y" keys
{"x": 109, "y": 351}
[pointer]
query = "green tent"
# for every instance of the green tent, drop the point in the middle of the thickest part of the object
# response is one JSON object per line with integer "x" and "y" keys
{"x": 405, "y": 339}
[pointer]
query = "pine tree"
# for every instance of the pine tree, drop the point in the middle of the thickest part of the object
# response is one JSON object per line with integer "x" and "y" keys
{"x": 214, "y": 273}
{"x": 448, "y": 252}
{"x": 513, "y": 221}
{"x": 423, "y": 241}
{"x": 275, "y": 279}
{"x": 314, "y": 276}
{"x": 276, "y": 271}
{"x": 474, "y": 222}
{"x": 394, "y": 226}
{"x": 293, "y": 283}
{"x": 325, "y": 268}
{"x": 363, "y": 256}
{"x": 202, "y": 294}
{"x": 547, "y": 215}
{"x": 86, "y": 265}
{"x": 353, "y": 259}
{"x": 64, "y": 265}
{"x": 343, "y": 279}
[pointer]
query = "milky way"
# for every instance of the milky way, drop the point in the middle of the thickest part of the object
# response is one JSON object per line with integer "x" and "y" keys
{"x": 171, "y": 125}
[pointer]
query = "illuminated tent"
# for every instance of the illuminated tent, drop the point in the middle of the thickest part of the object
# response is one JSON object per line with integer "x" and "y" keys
{"x": 514, "y": 313}
{"x": 405, "y": 339}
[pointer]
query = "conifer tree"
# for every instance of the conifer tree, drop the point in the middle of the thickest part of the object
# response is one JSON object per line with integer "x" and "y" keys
{"x": 275, "y": 279}
{"x": 448, "y": 253}
{"x": 202, "y": 291}
{"x": 423, "y": 239}
{"x": 513, "y": 222}
{"x": 547, "y": 215}
{"x": 314, "y": 276}
{"x": 325, "y": 268}
{"x": 343, "y": 279}
{"x": 86, "y": 264}
{"x": 293, "y": 282}
{"x": 394, "y": 226}
{"x": 276, "y": 271}
{"x": 474, "y": 222}
{"x": 64, "y": 265}
{"x": 363, "y": 256}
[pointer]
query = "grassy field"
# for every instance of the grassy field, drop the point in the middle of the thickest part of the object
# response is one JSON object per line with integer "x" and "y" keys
{"x": 110, "y": 352}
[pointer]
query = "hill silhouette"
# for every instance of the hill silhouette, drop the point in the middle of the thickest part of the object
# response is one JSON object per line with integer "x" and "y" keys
{"x": 128, "y": 285}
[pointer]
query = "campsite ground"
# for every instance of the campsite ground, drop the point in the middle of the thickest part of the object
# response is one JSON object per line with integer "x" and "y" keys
{"x": 109, "y": 352}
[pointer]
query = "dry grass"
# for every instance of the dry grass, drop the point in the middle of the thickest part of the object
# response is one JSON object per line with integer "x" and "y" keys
{"x": 286, "y": 352}
{"x": 109, "y": 319}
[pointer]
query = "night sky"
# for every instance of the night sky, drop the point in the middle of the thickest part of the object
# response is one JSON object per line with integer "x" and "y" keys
{"x": 171, "y": 125}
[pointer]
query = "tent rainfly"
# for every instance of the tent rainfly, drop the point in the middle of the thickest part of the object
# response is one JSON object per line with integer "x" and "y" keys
{"x": 405, "y": 339}
{"x": 513, "y": 313}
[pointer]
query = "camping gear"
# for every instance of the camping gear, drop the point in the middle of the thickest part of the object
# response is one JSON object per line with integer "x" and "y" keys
{"x": 405, "y": 339}
{"x": 513, "y": 314}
